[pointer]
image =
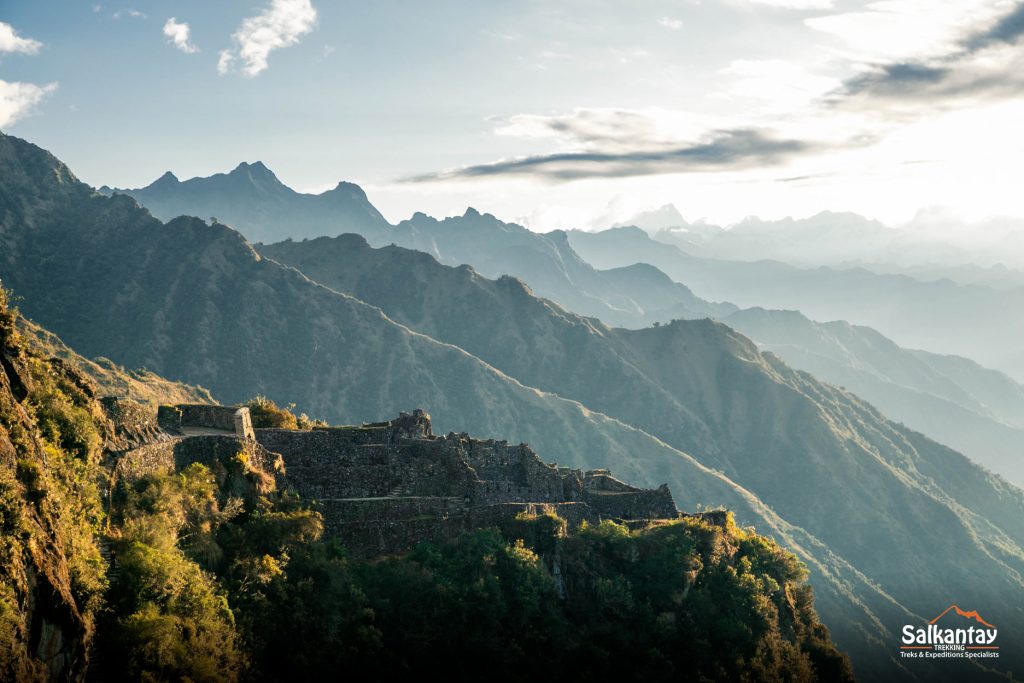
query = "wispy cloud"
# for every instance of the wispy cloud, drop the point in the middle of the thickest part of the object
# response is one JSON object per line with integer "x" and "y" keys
{"x": 720, "y": 150}
{"x": 10, "y": 41}
{"x": 18, "y": 99}
{"x": 280, "y": 25}
{"x": 178, "y": 33}
{"x": 670, "y": 23}
{"x": 224, "y": 60}
{"x": 129, "y": 12}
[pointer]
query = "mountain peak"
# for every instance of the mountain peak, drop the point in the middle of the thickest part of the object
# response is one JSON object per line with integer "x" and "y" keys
{"x": 471, "y": 213}
{"x": 257, "y": 169}
{"x": 348, "y": 189}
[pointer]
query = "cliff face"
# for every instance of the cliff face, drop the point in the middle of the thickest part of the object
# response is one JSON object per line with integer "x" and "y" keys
{"x": 55, "y": 436}
{"x": 51, "y": 575}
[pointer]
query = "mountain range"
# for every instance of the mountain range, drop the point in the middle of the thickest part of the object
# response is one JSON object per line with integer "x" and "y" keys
{"x": 946, "y": 308}
{"x": 978, "y": 322}
{"x": 251, "y": 195}
{"x": 932, "y": 241}
{"x": 883, "y": 516}
{"x": 638, "y": 294}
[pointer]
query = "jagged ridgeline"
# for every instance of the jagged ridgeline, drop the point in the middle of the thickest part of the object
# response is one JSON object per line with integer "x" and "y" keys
{"x": 175, "y": 544}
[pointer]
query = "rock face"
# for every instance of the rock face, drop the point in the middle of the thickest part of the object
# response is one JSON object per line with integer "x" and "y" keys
{"x": 47, "y": 623}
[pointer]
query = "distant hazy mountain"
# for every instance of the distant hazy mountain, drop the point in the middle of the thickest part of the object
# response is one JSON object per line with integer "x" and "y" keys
{"x": 881, "y": 514}
{"x": 631, "y": 297}
{"x": 996, "y": 277}
{"x": 665, "y": 217}
{"x": 831, "y": 239}
{"x": 824, "y": 239}
{"x": 953, "y": 400}
{"x": 977, "y": 322}
{"x": 261, "y": 206}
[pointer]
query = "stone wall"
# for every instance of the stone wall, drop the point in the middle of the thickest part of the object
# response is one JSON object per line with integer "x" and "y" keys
{"x": 156, "y": 458}
{"x": 231, "y": 419}
{"x": 178, "y": 453}
{"x": 636, "y": 504}
{"x": 134, "y": 423}
{"x": 335, "y": 464}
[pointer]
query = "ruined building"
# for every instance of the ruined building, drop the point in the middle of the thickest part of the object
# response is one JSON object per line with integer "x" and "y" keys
{"x": 387, "y": 486}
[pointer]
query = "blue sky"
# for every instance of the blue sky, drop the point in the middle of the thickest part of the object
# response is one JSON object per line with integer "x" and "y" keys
{"x": 558, "y": 114}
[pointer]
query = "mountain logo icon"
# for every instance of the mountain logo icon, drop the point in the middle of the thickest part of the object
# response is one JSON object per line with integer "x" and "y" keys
{"x": 973, "y": 614}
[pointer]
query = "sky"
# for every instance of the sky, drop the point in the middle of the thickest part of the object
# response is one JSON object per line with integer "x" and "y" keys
{"x": 556, "y": 114}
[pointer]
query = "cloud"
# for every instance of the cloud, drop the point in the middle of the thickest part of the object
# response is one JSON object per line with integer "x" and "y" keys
{"x": 979, "y": 63}
{"x": 279, "y": 25}
{"x": 668, "y": 22}
{"x": 794, "y": 4}
{"x": 1006, "y": 30}
{"x": 985, "y": 65}
{"x": 18, "y": 99}
{"x": 607, "y": 129}
{"x": 10, "y": 41}
{"x": 130, "y": 12}
{"x": 721, "y": 150}
{"x": 910, "y": 30}
{"x": 178, "y": 34}
{"x": 224, "y": 60}
{"x": 777, "y": 85}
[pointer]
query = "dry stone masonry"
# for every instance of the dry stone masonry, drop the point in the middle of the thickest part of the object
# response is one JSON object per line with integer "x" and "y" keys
{"x": 385, "y": 487}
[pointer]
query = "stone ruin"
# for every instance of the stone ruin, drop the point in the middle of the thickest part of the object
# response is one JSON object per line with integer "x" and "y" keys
{"x": 195, "y": 419}
{"x": 385, "y": 487}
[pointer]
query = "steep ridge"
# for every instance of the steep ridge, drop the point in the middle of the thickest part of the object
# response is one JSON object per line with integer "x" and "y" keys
{"x": 51, "y": 579}
{"x": 551, "y": 267}
{"x": 815, "y": 453}
{"x": 109, "y": 378}
{"x": 952, "y": 400}
{"x": 252, "y": 198}
{"x": 979, "y": 418}
{"x": 197, "y": 303}
{"x": 942, "y": 316}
